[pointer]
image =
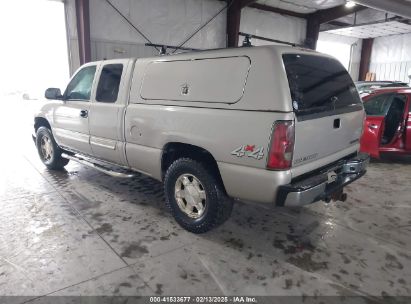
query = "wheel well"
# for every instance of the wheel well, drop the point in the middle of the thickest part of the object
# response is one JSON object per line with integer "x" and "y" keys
{"x": 174, "y": 151}
{"x": 41, "y": 122}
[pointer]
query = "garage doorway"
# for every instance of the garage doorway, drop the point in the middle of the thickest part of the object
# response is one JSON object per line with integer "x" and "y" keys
{"x": 341, "y": 51}
{"x": 34, "y": 46}
{"x": 33, "y": 57}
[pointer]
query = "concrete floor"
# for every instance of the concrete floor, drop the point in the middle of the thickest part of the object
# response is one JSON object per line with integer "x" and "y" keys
{"x": 80, "y": 232}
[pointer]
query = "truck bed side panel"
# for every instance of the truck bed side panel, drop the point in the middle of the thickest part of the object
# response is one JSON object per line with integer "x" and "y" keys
{"x": 224, "y": 133}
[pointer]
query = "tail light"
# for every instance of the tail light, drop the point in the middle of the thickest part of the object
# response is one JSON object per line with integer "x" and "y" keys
{"x": 282, "y": 146}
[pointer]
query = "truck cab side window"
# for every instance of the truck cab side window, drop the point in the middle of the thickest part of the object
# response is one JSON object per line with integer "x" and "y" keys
{"x": 109, "y": 83}
{"x": 80, "y": 86}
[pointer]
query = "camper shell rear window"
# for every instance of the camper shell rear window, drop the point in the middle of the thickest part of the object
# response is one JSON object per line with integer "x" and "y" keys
{"x": 319, "y": 86}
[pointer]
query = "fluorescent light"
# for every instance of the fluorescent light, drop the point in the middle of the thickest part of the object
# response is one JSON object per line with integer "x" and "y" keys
{"x": 350, "y": 4}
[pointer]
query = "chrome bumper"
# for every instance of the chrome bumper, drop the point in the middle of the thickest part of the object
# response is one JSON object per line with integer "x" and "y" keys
{"x": 324, "y": 184}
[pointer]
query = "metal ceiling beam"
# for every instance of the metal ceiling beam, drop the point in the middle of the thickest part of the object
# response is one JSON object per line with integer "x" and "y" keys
{"x": 83, "y": 30}
{"x": 245, "y": 3}
{"x": 272, "y": 9}
{"x": 315, "y": 20}
{"x": 333, "y": 13}
{"x": 398, "y": 7}
{"x": 339, "y": 23}
{"x": 267, "y": 8}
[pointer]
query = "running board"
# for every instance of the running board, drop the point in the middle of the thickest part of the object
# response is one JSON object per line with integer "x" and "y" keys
{"x": 98, "y": 167}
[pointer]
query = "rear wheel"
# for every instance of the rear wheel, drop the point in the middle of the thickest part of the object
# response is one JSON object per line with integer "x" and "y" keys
{"x": 49, "y": 151}
{"x": 195, "y": 196}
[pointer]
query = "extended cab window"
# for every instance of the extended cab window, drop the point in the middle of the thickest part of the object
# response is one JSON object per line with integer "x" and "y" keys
{"x": 379, "y": 105}
{"x": 109, "y": 83}
{"x": 319, "y": 84}
{"x": 80, "y": 86}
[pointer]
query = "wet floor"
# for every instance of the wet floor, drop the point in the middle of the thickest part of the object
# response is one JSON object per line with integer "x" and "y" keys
{"x": 80, "y": 232}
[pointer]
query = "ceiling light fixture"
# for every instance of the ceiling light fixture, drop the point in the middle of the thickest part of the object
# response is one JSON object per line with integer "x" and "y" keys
{"x": 350, "y": 4}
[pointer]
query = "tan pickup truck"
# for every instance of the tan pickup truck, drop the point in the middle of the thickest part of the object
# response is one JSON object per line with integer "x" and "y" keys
{"x": 278, "y": 125}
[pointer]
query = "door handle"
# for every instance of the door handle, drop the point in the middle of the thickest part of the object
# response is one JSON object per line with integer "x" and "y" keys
{"x": 337, "y": 123}
{"x": 403, "y": 126}
{"x": 84, "y": 113}
{"x": 373, "y": 126}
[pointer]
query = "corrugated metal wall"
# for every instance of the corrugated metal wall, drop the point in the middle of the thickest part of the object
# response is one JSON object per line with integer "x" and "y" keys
{"x": 162, "y": 21}
{"x": 103, "y": 49}
{"x": 270, "y": 25}
{"x": 397, "y": 71}
{"x": 391, "y": 58}
{"x": 169, "y": 22}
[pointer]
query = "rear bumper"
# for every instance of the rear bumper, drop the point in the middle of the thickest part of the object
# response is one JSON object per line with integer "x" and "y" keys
{"x": 321, "y": 186}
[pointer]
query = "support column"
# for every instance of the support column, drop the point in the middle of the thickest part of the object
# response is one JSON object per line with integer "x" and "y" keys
{"x": 313, "y": 32}
{"x": 365, "y": 57}
{"x": 83, "y": 30}
{"x": 233, "y": 23}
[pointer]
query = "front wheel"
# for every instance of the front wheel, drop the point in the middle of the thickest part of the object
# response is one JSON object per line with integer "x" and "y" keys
{"x": 195, "y": 196}
{"x": 49, "y": 151}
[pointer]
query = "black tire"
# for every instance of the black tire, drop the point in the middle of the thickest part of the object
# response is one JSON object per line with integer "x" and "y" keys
{"x": 52, "y": 160}
{"x": 218, "y": 205}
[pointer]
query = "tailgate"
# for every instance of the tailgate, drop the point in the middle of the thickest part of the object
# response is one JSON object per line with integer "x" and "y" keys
{"x": 318, "y": 140}
{"x": 329, "y": 113}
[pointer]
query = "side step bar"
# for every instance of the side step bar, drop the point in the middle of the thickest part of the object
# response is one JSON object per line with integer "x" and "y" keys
{"x": 98, "y": 167}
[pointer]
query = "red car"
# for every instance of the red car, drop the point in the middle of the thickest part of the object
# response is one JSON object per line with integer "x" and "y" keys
{"x": 387, "y": 128}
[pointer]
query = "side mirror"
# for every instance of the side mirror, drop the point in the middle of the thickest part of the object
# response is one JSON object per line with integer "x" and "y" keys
{"x": 53, "y": 93}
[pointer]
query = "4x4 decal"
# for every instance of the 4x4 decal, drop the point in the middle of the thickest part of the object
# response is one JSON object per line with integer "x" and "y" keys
{"x": 249, "y": 151}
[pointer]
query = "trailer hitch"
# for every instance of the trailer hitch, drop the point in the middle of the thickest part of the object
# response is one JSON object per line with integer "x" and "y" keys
{"x": 336, "y": 196}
